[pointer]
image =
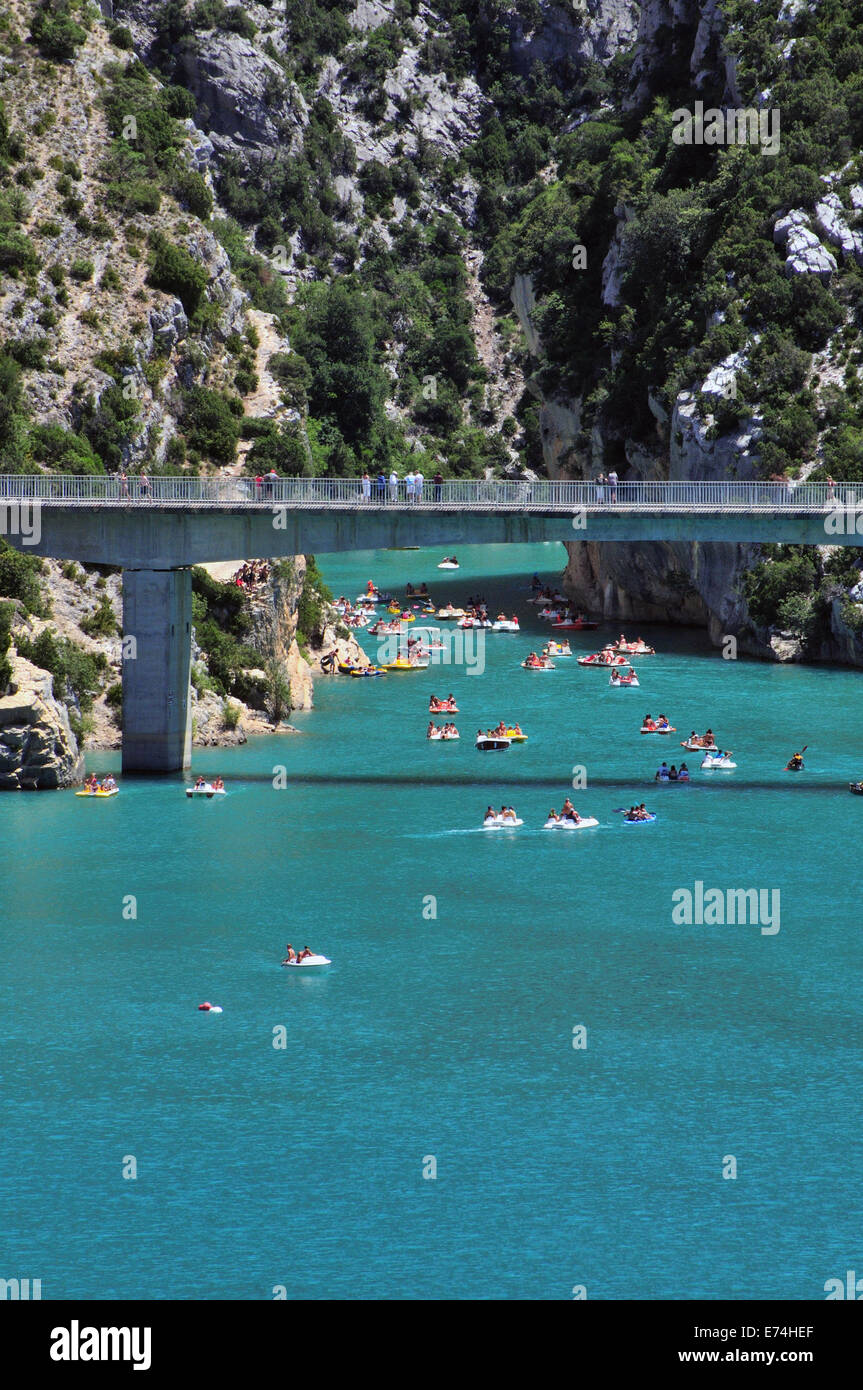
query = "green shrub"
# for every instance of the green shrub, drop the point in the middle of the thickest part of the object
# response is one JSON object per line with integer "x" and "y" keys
{"x": 231, "y": 715}
{"x": 56, "y": 33}
{"x": 176, "y": 272}
{"x": 101, "y": 622}
{"x": 121, "y": 36}
{"x": 62, "y": 451}
{"x": 17, "y": 252}
{"x": 81, "y": 270}
{"x": 190, "y": 188}
{"x": 139, "y": 195}
{"x": 19, "y": 578}
{"x": 7, "y": 612}
{"x": 114, "y": 696}
{"x": 210, "y": 425}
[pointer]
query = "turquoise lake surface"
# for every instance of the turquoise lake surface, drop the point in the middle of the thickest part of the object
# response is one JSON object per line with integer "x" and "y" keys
{"x": 446, "y": 1037}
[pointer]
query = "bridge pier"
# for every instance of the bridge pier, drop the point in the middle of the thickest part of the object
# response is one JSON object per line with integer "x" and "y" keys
{"x": 157, "y": 659}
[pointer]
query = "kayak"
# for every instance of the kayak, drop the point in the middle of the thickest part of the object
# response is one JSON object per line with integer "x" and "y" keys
{"x": 365, "y": 671}
{"x": 798, "y": 767}
{"x": 492, "y": 744}
{"x": 94, "y": 795}
{"x": 345, "y": 668}
{"x": 309, "y": 963}
{"x": 206, "y": 791}
{"x": 645, "y": 821}
{"x": 668, "y": 730}
{"x": 498, "y": 824}
{"x": 516, "y": 738}
{"x": 585, "y": 823}
{"x": 724, "y": 763}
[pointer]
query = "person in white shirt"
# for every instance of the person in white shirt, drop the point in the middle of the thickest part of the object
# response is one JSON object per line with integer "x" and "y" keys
{"x": 418, "y": 485}
{"x": 367, "y": 487}
{"x": 409, "y": 485}
{"x": 612, "y": 485}
{"x": 394, "y": 486}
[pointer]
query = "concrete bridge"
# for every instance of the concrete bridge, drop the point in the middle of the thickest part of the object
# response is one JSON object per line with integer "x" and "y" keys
{"x": 155, "y": 530}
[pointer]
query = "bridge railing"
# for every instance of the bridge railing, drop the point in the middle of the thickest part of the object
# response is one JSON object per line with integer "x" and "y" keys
{"x": 476, "y": 494}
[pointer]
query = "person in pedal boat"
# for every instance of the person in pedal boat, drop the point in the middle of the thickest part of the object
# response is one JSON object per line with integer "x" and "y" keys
{"x": 662, "y": 722}
{"x": 304, "y": 953}
{"x": 683, "y": 773}
{"x": 673, "y": 774}
{"x": 490, "y": 814}
{"x": 290, "y": 955}
{"x": 109, "y": 784}
{"x": 662, "y": 773}
{"x": 648, "y": 722}
{"x": 553, "y": 816}
{"x": 568, "y": 811}
{"x": 199, "y": 782}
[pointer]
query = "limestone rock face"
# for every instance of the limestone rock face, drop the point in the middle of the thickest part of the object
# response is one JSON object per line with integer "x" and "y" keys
{"x": 38, "y": 749}
{"x": 243, "y": 90}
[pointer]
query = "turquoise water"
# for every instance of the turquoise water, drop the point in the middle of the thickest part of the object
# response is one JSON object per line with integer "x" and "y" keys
{"x": 446, "y": 1037}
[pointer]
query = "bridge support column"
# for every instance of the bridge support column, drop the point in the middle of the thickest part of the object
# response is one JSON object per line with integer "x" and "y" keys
{"x": 157, "y": 659}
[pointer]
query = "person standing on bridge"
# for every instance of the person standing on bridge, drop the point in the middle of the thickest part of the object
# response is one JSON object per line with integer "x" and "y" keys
{"x": 612, "y": 486}
{"x": 409, "y": 485}
{"x": 367, "y": 488}
{"x": 438, "y": 485}
{"x": 144, "y": 485}
{"x": 600, "y": 488}
{"x": 418, "y": 485}
{"x": 381, "y": 487}
{"x": 394, "y": 486}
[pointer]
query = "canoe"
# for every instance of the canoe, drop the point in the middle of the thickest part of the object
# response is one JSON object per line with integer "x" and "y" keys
{"x": 645, "y": 821}
{"x": 366, "y": 671}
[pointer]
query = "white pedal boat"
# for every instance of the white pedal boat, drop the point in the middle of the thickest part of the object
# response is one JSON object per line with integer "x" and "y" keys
{"x": 498, "y": 824}
{"x": 438, "y": 737}
{"x": 448, "y": 565}
{"x": 506, "y": 626}
{"x": 561, "y": 823}
{"x": 207, "y": 791}
{"x": 310, "y": 963}
{"x": 626, "y": 683}
{"x": 724, "y": 764}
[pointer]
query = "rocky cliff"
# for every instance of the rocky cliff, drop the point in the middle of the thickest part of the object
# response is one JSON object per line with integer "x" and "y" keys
{"x": 38, "y": 749}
